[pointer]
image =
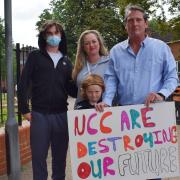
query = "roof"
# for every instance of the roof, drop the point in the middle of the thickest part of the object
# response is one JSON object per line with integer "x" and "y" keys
{"x": 176, "y": 41}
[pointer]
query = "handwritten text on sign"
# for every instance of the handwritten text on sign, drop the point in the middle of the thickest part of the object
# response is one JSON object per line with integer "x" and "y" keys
{"x": 128, "y": 142}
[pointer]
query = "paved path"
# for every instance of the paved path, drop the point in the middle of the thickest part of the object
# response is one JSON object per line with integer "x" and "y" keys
{"x": 27, "y": 169}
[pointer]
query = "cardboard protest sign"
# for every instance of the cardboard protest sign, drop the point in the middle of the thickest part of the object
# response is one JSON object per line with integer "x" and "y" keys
{"x": 126, "y": 142}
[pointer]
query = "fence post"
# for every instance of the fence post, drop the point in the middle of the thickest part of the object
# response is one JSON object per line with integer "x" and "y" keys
{"x": 11, "y": 127}
{"x": 18, "y": 52}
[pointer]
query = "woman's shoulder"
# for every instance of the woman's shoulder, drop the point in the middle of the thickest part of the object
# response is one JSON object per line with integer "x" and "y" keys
{"x": 104, "y": 59}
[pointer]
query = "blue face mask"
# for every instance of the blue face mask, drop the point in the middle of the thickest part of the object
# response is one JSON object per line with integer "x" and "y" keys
{"x": 53, "y": 40}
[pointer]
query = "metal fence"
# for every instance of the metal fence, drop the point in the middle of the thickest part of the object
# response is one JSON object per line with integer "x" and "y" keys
{"x": 20, "y": 56}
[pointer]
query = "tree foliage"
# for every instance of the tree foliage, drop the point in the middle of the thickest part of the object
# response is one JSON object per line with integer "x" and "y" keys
{"x": 147, "y": 5}
{"x": 2, "y": 50}
{"x": 106, "y": 16}
{"x": 77, "y": 16}
{"x": 174, "y": 6}
{"x": 174, "y": 23}
{"x": 3, "y": 63}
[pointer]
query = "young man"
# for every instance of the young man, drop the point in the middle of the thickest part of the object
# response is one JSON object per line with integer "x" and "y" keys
{"x": 142, "y": 69}
{"x": 48, "y": 73}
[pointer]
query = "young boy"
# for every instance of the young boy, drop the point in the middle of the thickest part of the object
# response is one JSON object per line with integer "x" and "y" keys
{"x": 91, "y": 91}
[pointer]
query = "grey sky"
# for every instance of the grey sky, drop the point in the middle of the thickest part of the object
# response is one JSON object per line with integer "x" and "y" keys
{"x": 24, "y": 17}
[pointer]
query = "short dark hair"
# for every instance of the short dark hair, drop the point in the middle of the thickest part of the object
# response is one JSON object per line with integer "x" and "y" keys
{"x": 42, "y": 35}
{"x": 131, "y": 7}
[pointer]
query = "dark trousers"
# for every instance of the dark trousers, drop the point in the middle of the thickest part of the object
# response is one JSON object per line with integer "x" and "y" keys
{"x": 49, "y": 130}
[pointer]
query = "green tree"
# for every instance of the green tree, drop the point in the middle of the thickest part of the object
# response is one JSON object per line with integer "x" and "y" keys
{"x": 77, "y": 16}
{"x": 158, "y": 25}
{"x": 150, "y": 7}
{"x": 174, "y": 23}
{"x": 107, "y": 16}
{"x": 165, "y": 30}
{"x": 3, "y": 64}
{"x": 2, "y": 51}
{"x": 45, "y": 15}
{"x": 159, "y": 29}
{"x": 174, "y": 6}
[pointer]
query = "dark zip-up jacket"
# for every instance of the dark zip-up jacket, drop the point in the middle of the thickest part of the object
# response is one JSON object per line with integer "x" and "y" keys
{"x": 85, "y": 105}
{"x": 49, "y": 87}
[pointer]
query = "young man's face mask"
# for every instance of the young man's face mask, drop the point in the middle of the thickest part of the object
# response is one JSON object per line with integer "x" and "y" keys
{"x": 53, "y": 40}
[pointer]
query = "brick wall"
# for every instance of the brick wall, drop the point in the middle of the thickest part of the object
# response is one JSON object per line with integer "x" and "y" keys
{"x": 24, "y": 142}
{"x": 175, "y": 48}
{"x": 3, "y": 168}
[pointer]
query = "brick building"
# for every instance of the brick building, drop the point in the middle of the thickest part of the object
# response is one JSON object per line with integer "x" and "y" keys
{"x": 175, "y": 47}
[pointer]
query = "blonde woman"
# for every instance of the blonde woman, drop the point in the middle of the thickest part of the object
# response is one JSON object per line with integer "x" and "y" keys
{"x": 91, "y": 58}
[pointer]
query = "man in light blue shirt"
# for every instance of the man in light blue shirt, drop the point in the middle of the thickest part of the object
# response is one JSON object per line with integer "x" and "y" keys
{"x": 137, "y": 76}
{"x": 142, "y": 69}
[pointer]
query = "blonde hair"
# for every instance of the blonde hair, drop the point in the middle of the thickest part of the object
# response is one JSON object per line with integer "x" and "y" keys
{"x": 81, "y": 55}
{"x": 92, "y": 79}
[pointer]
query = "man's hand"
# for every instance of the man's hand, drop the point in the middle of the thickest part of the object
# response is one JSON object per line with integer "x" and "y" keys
{"x": 27, "y": 116}
{"x": 152, "y": 98}
{"x": 100, "y": 106}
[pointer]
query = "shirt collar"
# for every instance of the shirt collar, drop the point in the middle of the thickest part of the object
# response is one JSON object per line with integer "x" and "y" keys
{"x": 143, "y": 43}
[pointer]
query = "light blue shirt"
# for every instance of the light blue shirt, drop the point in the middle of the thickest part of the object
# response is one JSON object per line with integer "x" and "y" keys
{"x": 99, "y": 68}
{"x": 152, "y": 69}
